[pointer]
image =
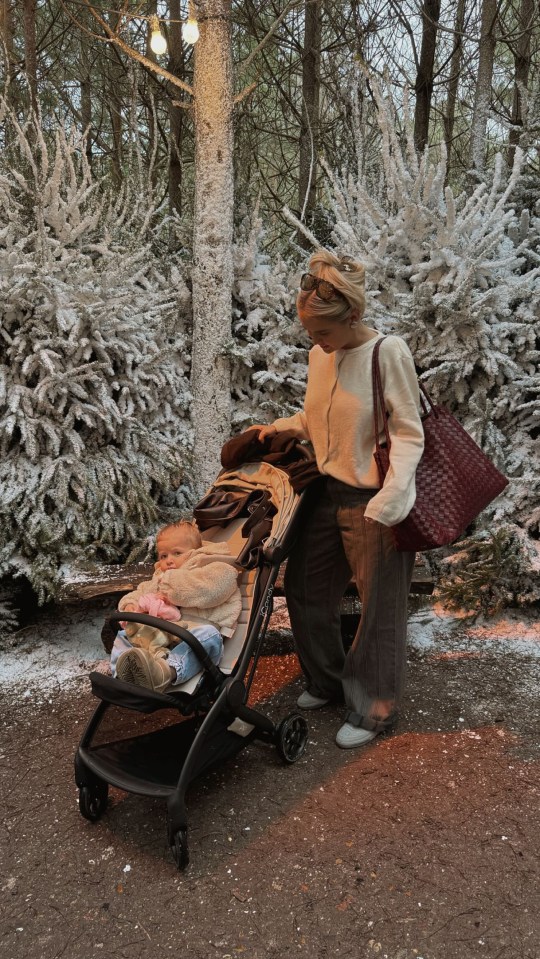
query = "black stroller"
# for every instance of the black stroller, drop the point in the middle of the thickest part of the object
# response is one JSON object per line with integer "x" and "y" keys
{"x": 256, "y": 512}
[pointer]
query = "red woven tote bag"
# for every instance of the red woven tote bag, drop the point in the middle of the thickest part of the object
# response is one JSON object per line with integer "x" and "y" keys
{"x": 455, "y": 480}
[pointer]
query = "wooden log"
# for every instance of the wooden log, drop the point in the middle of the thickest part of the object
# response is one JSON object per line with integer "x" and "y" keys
{"x": 104, "y": 580}
{"x": 115, "y": 580}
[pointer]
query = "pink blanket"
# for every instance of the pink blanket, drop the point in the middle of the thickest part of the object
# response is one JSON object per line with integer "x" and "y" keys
{"x": 152, "y": 604}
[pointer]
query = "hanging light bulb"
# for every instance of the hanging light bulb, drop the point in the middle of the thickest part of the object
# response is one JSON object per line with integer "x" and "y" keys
{"x": 158, "y": 42}
{"x": 190, "y": 31}
{"x": 190, "y": 27}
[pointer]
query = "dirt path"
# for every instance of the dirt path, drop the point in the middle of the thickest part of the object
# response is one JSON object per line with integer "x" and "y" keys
{"x": 424, "y": 845}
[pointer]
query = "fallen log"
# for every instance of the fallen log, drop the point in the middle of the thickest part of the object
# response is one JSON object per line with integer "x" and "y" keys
{"x": 115, "y": 580}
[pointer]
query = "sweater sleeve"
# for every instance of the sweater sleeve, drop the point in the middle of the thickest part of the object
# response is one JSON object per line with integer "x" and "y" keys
{"x": 402, "y": 396}
{"x": 204, "y": 586}
{"x": 297, "y": 424}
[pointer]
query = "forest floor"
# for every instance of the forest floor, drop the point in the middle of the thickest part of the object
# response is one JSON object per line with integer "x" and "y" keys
{"x": 423, "y": 845}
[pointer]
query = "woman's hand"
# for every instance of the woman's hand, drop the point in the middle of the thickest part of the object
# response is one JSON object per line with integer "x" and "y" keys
{"x": 264, "y": 430}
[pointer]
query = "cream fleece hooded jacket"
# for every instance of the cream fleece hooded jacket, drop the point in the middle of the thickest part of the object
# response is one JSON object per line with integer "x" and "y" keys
{"x": 205, "y": 589}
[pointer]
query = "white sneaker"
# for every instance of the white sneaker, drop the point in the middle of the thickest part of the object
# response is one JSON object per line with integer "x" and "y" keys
{"x": 350, "y": 736}
{"x": 307, "y": 701}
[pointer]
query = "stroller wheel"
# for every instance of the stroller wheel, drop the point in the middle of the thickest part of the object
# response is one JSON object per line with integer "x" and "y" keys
{"x": 179, "y": 847}
{"x": 93, "y": 801}
{"x": 291, "y": 737}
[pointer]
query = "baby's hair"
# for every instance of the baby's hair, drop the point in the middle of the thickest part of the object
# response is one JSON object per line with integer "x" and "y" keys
{"x": 347, "y": 275}
{"x": 186, "y": 526}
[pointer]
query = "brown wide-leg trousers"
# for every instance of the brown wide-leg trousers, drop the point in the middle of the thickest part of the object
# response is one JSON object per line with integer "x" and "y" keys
{"x": 335, "y": 542}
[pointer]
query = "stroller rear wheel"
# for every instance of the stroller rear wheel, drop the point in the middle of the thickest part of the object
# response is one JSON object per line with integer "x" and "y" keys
{"x": 93, "y": 800}
{"x": 179, "y": 847}
{"x": 292, "y": 737}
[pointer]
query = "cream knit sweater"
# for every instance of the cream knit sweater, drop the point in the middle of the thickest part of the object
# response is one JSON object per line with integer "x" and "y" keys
{"x": 338, "y": 420}
{"x": 205, "y": 589}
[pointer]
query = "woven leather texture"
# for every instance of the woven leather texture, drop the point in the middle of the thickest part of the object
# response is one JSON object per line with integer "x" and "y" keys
{"x": 455, "y": 481}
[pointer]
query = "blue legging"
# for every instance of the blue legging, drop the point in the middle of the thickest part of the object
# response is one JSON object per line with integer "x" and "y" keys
{"x": 181, "y": 656}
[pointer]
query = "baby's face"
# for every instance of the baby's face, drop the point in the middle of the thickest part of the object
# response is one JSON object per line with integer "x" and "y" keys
{"x": 173, "y": 547}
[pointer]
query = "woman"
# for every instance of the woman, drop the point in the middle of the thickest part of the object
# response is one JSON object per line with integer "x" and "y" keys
{"x": 349, "y": 528}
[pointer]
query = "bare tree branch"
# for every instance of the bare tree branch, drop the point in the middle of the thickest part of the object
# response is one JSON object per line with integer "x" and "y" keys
{"x": 245, "y": 92}
{"x": 249, "y": 60}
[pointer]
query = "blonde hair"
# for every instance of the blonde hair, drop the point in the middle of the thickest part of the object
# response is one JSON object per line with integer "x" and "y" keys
{"x": 348, "y": 277}
{"x": 184, "y": 526}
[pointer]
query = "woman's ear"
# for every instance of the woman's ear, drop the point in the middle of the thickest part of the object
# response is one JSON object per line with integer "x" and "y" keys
{"x": 353, "y": 319}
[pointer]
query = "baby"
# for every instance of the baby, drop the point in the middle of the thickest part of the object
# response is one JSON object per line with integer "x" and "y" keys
{"x": 195, "y": 583}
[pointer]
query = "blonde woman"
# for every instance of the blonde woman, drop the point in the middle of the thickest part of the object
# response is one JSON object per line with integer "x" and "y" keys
{"x": 348, "y": 531}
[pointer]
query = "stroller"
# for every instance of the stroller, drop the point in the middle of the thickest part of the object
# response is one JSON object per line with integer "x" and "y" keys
{"x": 255, "y": 511}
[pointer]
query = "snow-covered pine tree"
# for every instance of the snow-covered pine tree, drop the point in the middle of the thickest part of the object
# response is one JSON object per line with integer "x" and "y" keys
{"x": 458, "y": 278}
{"x": 493, "y": 569}
{"x": 93, "y": 393}
{"x": 269, "y": 350}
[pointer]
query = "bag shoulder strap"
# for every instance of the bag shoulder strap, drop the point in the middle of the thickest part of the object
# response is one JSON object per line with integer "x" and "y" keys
{"x": 379, "y": 402}
{"x": 378, "y": 397}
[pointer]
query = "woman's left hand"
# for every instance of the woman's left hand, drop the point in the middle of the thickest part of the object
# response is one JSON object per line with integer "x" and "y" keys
{"x": 264, "y": 430}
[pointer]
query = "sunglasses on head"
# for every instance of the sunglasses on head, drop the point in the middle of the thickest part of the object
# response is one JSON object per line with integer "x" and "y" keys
{"x": 323, "y": 289}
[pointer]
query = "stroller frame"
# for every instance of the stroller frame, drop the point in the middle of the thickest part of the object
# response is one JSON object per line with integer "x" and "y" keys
{"x": 218, "y": 723}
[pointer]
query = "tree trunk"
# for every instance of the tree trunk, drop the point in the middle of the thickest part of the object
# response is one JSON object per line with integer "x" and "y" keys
{"x": 152, "y": 107}
{"x": 176, "y": 114}
{"x": 309, "y": 130}
{"x": 114, "y": 89}
{"x": 6, "y": 34}
{"x": 86, "y": 100}
{"x": 30, "y": 49}
{"x": 453, "y": 84}
{"x": 482, "y": 94}
{"x": 212, "y": 238}
{"x": 115, "y": 113}
{"x": 522, "y": 59}
{"x": 424, "y": 79}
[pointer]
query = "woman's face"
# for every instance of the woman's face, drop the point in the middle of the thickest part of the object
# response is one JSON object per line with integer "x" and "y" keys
{"x": 330, "y": 335}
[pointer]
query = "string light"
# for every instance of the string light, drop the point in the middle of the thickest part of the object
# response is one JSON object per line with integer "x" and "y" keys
{"x": 190, "y": 27}
{"x": 158, "y": 42}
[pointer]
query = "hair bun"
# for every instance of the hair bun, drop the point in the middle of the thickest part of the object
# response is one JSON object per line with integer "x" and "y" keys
{"x": 347, "y": 264}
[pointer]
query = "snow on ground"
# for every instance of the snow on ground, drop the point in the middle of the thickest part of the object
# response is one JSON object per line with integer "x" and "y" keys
{"x": 62, "y": 648}
{"x": 514, "y": 632}
{"x": 65, "y": 644}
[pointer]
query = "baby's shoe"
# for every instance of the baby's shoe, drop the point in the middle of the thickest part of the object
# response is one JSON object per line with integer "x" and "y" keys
{"x": 123, "y": 666}
{"x": 146, "y": 670}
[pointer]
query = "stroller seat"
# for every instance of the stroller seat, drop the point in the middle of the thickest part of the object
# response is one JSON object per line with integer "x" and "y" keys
{"x": 284, "y": 501}
{"x": 233, "y": 645}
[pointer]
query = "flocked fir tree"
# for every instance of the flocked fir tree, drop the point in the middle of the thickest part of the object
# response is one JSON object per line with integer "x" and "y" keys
{"x": 459, "y": 278}
{"x": 497, "y": 567}
{"x": 269, "y": 349}
{"x": 93, "y": 392}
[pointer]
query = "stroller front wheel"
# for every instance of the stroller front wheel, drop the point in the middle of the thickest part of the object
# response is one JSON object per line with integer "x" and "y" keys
{"x": 179, "y": 847}
{"x": 93, "y": 801}
{"x": 292, "y": 737}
